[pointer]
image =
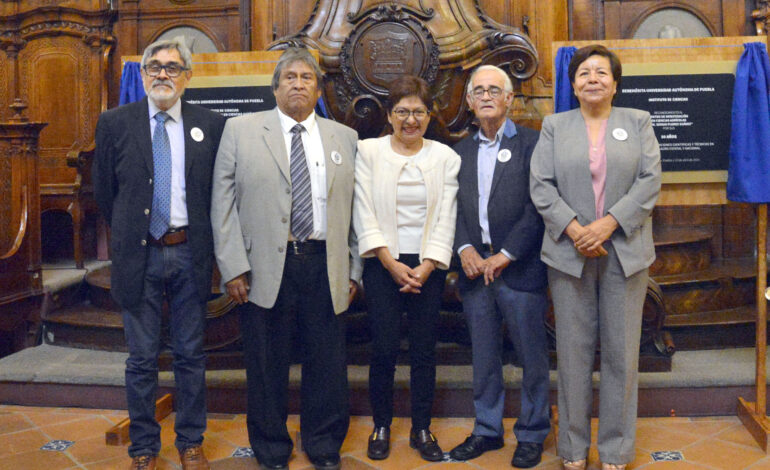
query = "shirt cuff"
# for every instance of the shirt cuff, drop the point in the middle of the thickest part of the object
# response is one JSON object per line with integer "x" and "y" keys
{"x": 460, "y": 250}
{"x": 507, "y": 255}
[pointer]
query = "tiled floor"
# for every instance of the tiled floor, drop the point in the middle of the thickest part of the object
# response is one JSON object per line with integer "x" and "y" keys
{"x": 701, "y": 443}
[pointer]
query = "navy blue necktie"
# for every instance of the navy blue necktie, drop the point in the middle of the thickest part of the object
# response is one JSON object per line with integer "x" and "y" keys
{"x": 161, "y": 193}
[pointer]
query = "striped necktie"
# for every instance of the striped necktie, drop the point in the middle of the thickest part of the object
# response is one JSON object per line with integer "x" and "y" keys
{"x": 301, "y": 195}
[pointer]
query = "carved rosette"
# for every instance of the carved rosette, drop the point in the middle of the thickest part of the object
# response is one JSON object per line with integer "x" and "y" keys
{"x": 387, "y": 41}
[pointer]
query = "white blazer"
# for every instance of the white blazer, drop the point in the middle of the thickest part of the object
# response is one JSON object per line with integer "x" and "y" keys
{"x": 374, "y": 204}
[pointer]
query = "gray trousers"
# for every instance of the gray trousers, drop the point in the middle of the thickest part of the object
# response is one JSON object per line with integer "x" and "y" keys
{"x": 603, "y": 304}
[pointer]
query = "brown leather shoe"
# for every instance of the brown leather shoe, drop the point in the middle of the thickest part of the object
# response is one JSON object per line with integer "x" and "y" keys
{"x": 193, "y": 458}
{"x": 143, "y": 462}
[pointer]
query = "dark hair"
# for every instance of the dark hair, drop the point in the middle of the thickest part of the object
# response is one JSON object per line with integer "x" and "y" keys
{"x": 582, "y": 54}
{"x": 409, "y": 85}
{"x": 297, "y": 54}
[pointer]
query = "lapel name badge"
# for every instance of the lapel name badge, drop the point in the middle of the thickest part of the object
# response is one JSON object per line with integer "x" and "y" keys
{"x": 619, "y": 134}
{"x": 336, "y": 158}
{"x": 197, "y": 134}
{"x": 503, "y": 155}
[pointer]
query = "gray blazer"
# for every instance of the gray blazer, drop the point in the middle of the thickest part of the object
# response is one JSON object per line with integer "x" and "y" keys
{"x": 561, "y": 189}
{"x": 251, "y": 205}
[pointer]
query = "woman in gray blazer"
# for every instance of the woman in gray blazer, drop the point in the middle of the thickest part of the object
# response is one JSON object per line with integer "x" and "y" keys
{"x": 595, "y": 177}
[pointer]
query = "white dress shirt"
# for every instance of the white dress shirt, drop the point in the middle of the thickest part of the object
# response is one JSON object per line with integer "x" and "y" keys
{"x": 316, "y": 164}
{"x": 175, "y": 130}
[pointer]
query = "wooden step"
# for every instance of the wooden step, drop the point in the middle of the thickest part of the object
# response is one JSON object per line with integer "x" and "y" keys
{"x": 681, "y": 250}
{"x": 85, "y": 326}
{"x": 98, "y": 292}
{"x": 723, "y": 285}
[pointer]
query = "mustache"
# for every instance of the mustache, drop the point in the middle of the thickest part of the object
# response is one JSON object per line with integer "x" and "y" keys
{"x": 162, "y": 82}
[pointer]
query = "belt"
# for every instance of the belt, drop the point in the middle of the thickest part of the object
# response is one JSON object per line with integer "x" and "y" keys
{"x": 308, "y": 247}
{"x": 174, "y": 236}
{"x": 488, "y": 248}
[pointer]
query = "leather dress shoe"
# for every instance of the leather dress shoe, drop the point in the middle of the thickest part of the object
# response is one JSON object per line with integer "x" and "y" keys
{"x": 276, "y": 466}
{"x": 424, "y": 441}
{"x": 527, "y": 454}
{"x": 143, "y": 462}
{"x": 379, "y": 444}
{"x": 474, "y": 446}
{"x": 193, "y": 458}
{"x": 326, "y": 461}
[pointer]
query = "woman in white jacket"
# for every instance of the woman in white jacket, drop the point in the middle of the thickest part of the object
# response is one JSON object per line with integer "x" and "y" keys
{"x": 404, "y": 213}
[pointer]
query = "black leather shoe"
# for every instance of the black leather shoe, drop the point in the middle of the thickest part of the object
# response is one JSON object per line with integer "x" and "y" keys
{"x": 527, "y": 455}
{"x": 326, "y": 462}
{"x": 274, "y": 466}
{"x": 379, "y": 444}
{"x": 474, "y": 446}
{"x": 424, "y": 441}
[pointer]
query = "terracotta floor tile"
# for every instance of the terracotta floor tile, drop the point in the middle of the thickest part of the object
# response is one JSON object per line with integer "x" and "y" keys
{"x": 700, "y": 427}
{"x": 659, "y": 437}
{"x": 21, "y": 441}
{"x": 233, "y": 463}
{"x": 37, "y": 460}
{"x": 358, "y": 435}
{"x": 738, "y": 434}
{"x": 47, "y": 418}
{"x": 720, "y": 454}
{"x": 451, "y": 436}
{"x": 237, "y": 437}
{"x": 679, "y": 465}
{"x": 14, "y": 422}
{"x": 91, "y": 450}
{"x": 763, "y": 464}
{"x": 117, "y": 463}
{"x": 80, "y": 429}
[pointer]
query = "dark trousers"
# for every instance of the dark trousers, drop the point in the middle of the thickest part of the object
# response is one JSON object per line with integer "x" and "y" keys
{"x": 303, "y": 308}
{"x": 487, "y": 309}
{"x": 385, "y": 305}
{"x": 169, "y": 272}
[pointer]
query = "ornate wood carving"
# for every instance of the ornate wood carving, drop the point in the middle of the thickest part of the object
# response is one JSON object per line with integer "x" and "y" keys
{"x": 21, "y": 284}
{"x": 441, "y": 40}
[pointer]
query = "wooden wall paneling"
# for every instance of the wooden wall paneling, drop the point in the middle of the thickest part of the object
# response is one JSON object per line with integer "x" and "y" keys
{"x": 623, "y": 17}
{"x": 499, "y": 11}
{"x": 262, "y": 14}
{"x": 586, "y": 20}
{"x": 736, "y": 18}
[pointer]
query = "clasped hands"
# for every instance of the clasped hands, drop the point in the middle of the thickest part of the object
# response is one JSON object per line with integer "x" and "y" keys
{"x": 474, "y": 265}
{"x": 588, "y": 239}
{"x": 410, "y": 279}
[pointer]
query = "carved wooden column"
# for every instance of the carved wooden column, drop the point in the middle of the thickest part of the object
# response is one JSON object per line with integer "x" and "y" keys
{"x": 21, "y": 284}
{"x": 364, "y": 44}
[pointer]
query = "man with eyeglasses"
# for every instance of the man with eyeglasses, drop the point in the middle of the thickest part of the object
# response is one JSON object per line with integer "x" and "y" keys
{"x": 502, "y": 281}
{"x": 152, "y": 181}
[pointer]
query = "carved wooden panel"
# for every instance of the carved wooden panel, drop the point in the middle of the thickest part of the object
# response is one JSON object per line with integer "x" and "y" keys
{"x": 619, "y": 19}
{"x": 64, "y": 99}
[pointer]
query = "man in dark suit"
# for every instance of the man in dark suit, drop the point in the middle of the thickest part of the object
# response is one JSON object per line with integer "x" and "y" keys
{"x": 503, "y": 281}
{"x": 152, "y": 181}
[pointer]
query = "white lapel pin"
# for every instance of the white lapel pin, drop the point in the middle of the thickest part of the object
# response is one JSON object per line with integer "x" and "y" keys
{"x": 197, "y": 134}
{"x": 336, "y": 158}
{"x": 503, "y": 155}
{"x": 619, "y": 134}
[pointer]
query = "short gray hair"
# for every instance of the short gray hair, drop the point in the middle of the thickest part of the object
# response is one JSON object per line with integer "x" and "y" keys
{"x": 508, "y": 85}
{"x": 176, "y": 43}
{"x": 297, "y": 54}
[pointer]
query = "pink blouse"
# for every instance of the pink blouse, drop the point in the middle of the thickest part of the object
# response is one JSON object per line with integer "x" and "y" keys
{"x": 597, "y": 157}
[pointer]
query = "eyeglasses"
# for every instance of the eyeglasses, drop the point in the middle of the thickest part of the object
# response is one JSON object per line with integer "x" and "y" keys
{"x": 403, "y": 113}
{"x": 494, "y": 92}
{"x": 173, "y": 70}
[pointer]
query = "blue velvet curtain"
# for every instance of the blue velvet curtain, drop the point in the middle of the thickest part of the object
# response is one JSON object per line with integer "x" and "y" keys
{"x": 131, "y": 87}
{"x": 563, "y": 98}
{"x": 748, "y": 177}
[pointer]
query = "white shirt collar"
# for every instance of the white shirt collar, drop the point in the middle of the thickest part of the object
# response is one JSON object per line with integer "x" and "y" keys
{"x": 175, "y": 111}
{"x": 287, "y": 122}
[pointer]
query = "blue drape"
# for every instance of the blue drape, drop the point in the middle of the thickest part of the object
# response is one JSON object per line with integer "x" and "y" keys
{"x": 563, "y": 98}
{"x": 748, "y": 177}
{"x": 131, "y": 88}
